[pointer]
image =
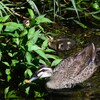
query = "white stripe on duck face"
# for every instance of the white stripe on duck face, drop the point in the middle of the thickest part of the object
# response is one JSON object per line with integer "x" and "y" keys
{"x": 44, "y": 72}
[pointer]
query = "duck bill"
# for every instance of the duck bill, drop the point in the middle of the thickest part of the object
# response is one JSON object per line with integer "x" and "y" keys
{"x": 33, "y": 78}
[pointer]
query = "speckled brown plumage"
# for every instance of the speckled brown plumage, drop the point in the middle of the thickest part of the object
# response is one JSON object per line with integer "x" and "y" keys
{"x": 73, "y": 70}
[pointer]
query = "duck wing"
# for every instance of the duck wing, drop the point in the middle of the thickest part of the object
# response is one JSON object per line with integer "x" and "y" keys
{"x": 85, "y": 66}
{"x": 84, "y": 59}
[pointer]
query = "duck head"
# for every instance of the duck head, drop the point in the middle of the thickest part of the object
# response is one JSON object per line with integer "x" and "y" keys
{"x": 42, "y": 72}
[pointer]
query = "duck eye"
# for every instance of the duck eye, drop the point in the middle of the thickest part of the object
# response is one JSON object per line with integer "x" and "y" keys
{"x": 60, "y": 46}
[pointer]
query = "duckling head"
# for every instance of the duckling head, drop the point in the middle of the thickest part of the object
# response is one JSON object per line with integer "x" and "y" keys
{"x": 43, "y": 72}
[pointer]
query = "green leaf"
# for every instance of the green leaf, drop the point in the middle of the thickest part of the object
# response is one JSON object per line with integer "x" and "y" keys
{"x": 42, "y": 37}
{"x": 96, "y": 17}
{"x": 37, "y": 94}
{"x": 41, "y": 28}
{"x": 56, "y": 62}
{"x": 45, "y": 44}
{"x": 33, "y": 47}
{"x": 12, "y": 26}
{"x": 8, "y": 34}
{"x": 23, "y": 33}
{"x": 75, "y": 8}
{"x": 4, "y": 19}
{"x": 1, "y": 26}
{"x": 14, "y": 62}
{"x": 28, "y": 57}
{"x": 81, "y": 24}
{"x": 1, "y": 37}
{"x": 29, "y": 64}
{"x": 15, "y": 53}
{"x": 28, "y": 72}
{"x": 8, "y": 78}
{"x": 49, "y": 50}
{"x": 10, "y": 54}
{"x": 36, "y": 35}
{"x": 95, "y": 12}
{"x": 33, "y": 6}
{"x": 42, "y": 62}
{"x": 31, "y": 13}
{"x": 27, "y": 90}
{"x": 11, "y": 95}
{"x": 29, "y": 45}
{"x": 3, "y": 44}
{"x": 42, "y": 19}
{"x": 6, "y": 91}
{"x": 16, "y": 34}
{"x": 96, "y": 6}
{"x": 52, "y": 56}
{"x": 0, "y": 55}
{"x": 16, "y": 40}
{"x": 7, "y": 71}
{"x": 33, "y": 35}
{"x": 6, "y": 63}
{"x": 31, "y": 32}
{"x": 41, "y": 53}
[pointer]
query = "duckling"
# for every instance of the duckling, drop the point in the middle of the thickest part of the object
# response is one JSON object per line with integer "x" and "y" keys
{"x": 60, "y": 44}
{"x": 70, "y": 71}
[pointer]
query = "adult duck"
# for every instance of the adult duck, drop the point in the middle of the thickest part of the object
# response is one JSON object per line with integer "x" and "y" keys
{"x": 70, "y": 71}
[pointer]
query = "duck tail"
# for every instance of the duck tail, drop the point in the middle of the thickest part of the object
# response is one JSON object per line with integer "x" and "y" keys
{"x": 93, "y": 52}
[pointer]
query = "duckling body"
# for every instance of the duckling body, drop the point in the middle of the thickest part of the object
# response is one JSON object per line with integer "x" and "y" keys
{"x": 60, "y": 43}
{"x": 70, "y": 71}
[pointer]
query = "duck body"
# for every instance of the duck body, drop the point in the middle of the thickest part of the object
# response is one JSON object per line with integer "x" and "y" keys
{"x": 70, "y": 71}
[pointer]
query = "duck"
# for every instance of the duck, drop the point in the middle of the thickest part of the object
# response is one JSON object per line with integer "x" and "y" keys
{"x": 70, "y": 71}
{"x": 60, "y": 43}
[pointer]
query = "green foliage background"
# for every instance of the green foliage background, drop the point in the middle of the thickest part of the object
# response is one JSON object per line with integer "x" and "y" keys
{"x": 22, "y": 50}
